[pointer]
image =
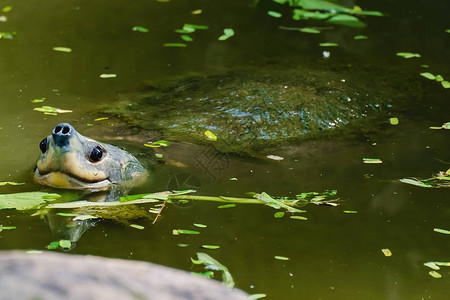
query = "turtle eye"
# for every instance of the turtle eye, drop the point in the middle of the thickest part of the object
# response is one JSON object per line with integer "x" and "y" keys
{"x": 96, "y": 154}
{"x": 43, "y": 145}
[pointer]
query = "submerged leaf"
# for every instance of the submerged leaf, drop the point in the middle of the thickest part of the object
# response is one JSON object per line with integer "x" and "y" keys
{"x": 212, "y": 264}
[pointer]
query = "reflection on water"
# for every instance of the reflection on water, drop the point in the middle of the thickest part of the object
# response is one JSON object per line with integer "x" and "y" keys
{"x": 333, "y": 255}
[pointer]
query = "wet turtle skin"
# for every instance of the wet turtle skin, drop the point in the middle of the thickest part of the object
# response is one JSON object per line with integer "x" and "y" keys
{"x": 70, "y": 160}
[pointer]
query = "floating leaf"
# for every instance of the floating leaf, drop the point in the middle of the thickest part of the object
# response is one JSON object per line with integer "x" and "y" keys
{"x": 186, "y": 38}
{"x": 281, "y": 257}
{"x": 393, "y": 121}
{"x": 140, "y": 29}
{"x": 196, "y": 12}
{"x": 415, "y": 182}
{"x": 233, "y": 179}
{"x": 157, "y": 144}
{"x": 137, "y": 226}
{"x": 439, "y": 230}
{"x": 227, "y": 33}
{"x": 408, "y": 54}
{"x": 439, "y": 78}
{"x": 256, "y": 296}
{"x": 428, "y": 75}
{"x": 24, "y": 201}
{"x": 279, "y": 214}
{"x": 84, "y": 217}
{"x": 347, "y": 20}
{"x": 175, "y": 45}
{"x": 212, "y": 264}
{"x": 211, "y": 247}
{"x": 38, "y": 100}
{"x": 7, "y": 35}
{"x": 211, "y": 136}
{"x": 200, "y": 225}
{"x": 62, "y": 49}
{"x": 432, "y": 265}
{"x": 108, "y": 76}
{"x": 445, "y": 84}
{"x": 226, "y": 206}
{"x": 7, "y": 228}
{"x": 51, "y": 110}
{"x": 7, "y": 8}
{"x": 67, "y": 214}
{"x": 53, "y": 245}
{"x": 328, "y": 44}
{"x": 360, "y": 37}
{"x": 309, "y": 30}
{"x": 11, "y": 183}
{"x": 184, "y": 231}
{"x": 182, "y": 245}
{"x": 274, "y": 14}
{"x": 435, "y": 274}
{"x": 101, "y": 119}
{"x": 386, "y": 252}
{"x": 350, "y": 211}
{"x": 65, "y": 244}
{"x": 372, "y": 161}
{"x": 299, "y": 218}
{"x": 275, "y": 157}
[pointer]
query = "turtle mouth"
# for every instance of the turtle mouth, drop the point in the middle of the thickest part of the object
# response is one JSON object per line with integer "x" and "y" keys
{"x": 63, "y": 180}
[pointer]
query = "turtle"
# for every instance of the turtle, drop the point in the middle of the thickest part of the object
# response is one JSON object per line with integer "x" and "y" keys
{"x": 70, "y": 160}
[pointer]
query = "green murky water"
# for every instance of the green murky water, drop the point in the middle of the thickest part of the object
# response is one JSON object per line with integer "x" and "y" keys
{"x": 333, "y": 255}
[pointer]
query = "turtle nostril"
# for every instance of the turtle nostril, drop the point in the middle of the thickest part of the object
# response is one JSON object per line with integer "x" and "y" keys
{"x": 66, "y": 130}
{"x": 57, "y": 129}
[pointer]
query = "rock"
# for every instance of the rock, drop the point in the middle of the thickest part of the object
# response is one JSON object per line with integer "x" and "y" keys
{"x": 57, "y": 276}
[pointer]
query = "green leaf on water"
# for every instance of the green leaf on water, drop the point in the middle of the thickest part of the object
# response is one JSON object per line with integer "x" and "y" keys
{"x": 281, "y": 257}
{"x": 200, "y": 225}
{"x": 182, "y": 245}
{"x": 212, "y": 264}
{"x": 67, "y": 214}
{"x": 227, "y": 33}
{"x": 439, "y": 230}
{"x": 65, "y": 244}
{"x": 62, "y": 49}
{"x": 186, "y": 38}
{"x": 435, "y": 274}
{"x": 53, "y": 245}
{"x": 350, "y": 212}
{"x": 7, "y": 35}
{"x": 184, "y": 231}
{"x": 7, "y": 228}
{"x": 226, "y": 206}
{"x": 211, "y": 247}
{"x": 104, "y": 76}
{"x": 428, "y": 75}
{"x": 310, "y": 30}
{"x": 140, "y": 29}
{"x": 274, "y": 14}
{"x": 279, "y": 214}
{"x": 175, "y": 45}
{"x": 137, "y": 226}
{"x": 445, "y": 84}
{"x": 447, "y": 30}
{"x": 432, "y": 265}
{"x": 408, "y": 54}
{"x": 386, "y": 252}
{"x": 84, "y": 217}
{"x": 157, "y": 144}
{"x": 328, "y": 44}
{"x": 347, "y": 20}
{"x": 7, "y": 8}
{"x": 24, "y": 201}
{"x": 439, "y": 78}
{"x": 256, "y": 296}
{"x": 372, "y": 161}
{"x": 393, "y": 121}
{"x": 415, "y": 182}
{"x": 38, "y": 100}
{"x": 11, "y": 183}
{"x": 360, "y": 37}
{"x": 298, "y": 218}
{"x": 50, "y": 110}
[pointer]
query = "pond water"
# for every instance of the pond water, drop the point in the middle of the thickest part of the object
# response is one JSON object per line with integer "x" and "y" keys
{"x": 333, "y": 254}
